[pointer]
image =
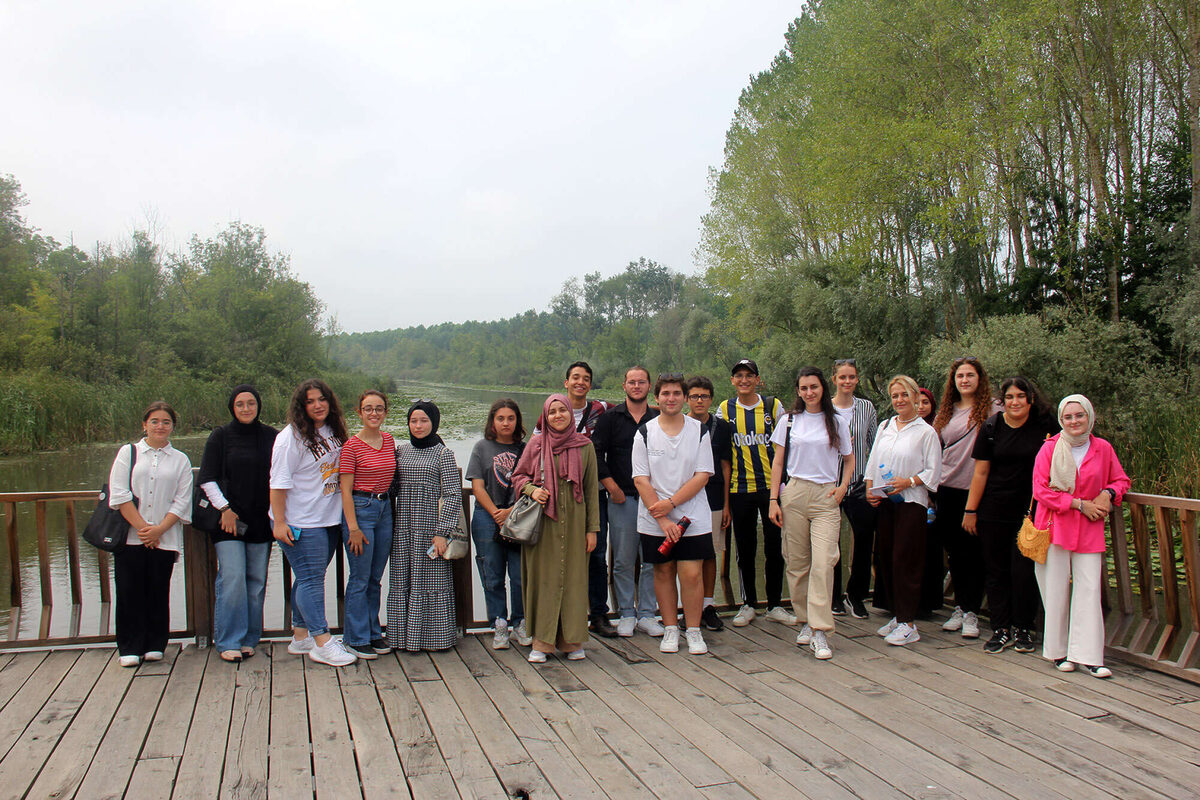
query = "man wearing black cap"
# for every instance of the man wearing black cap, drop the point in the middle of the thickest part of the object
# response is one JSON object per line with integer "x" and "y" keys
{"x": 751, "y": 419}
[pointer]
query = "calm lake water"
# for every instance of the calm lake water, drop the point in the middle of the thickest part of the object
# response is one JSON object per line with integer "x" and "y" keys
{"x": 464, "y": 412}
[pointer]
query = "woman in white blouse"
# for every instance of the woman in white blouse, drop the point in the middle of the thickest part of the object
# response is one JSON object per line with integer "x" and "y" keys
{"x": 904, "y": 466}
{"x": 156, "y": 499}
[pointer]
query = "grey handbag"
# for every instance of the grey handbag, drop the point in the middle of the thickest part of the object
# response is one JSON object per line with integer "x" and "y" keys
{"x": 524, "y": 523}
{"x": 457, "y": 543}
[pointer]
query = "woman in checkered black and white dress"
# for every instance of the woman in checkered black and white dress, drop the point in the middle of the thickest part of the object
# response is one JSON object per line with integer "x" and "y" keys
{"x": 420, "y": 604}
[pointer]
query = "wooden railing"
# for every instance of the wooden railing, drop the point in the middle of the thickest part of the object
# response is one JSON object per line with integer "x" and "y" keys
{"x": 199, "y": 564}
{"x": 1163, "y": 636}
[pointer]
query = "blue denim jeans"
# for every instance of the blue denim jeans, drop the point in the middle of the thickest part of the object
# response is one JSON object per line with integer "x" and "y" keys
{"x": 309, "y": 557}
{"x": 366, "y": 571}
{"x": 627, "y": 547}
{"x": 494, "y": 559}
{"x": 241, "y": 586}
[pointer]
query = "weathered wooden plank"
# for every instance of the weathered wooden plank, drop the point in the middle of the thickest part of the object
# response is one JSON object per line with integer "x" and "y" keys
{"x": 154, "y": 778}
{"x": 417, "y": 666}
{"x": 333, "y": 752}
{"x": 108, "y": 777}
{"x": 516, "y": 770}
{"x": 14, "y": 674}
{"x": 725, "y": 791}
{"x": 24, "y": 706}
{"x": 289, "y": 760}
{"x": 575, "y": 732}
{"x": 65, "y": 768}
{"x": 376, "y": 752}
{"x": 465, "y": 759}
{"x": 168, "y": 735}
{"x": 163, "y": 666}
{"x": 426, "y": 770}
{"x": 24, "y": 761}
{"x": 245, "y": 774}
{"x": 204, "y": 751}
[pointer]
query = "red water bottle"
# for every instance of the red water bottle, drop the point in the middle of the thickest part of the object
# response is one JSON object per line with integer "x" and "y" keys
{"x": 665, "y": 547}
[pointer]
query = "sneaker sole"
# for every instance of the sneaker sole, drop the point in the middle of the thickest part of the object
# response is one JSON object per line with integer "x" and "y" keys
{"x": 328, "y": 663}
{"x": 1023, "y": 649}
{"x": 668, "y": 649}
{"x": 496, "y": 646}
{"x": 826, "y": 656}
{"x": 907, "y": 640}
{"x": 365, "y": 655}
{"x": 970, "y": 635}
{"x": 740, "y": 623}
{"x": 692, "y": 652}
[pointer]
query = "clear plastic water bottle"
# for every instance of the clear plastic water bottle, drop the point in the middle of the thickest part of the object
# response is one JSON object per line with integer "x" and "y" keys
{"x": 886, "y": 477}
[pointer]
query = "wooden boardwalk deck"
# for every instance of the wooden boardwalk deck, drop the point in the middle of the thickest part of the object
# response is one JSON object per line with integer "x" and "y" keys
{"x": 757, "y": 717}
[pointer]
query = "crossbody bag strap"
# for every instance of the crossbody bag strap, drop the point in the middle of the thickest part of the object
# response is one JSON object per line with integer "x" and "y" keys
{"x": 787, "y": 444}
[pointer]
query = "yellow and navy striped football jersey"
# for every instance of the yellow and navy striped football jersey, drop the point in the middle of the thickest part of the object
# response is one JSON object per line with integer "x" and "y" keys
{"x": 752, "y": 449}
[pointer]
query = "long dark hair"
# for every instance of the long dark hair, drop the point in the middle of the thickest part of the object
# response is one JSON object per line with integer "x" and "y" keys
{"x": 950, "y": 395}
{"x": 1038, "y": 407}
{"x": 298, "y": 417}
{"x": 826, "y": 403}
{"x": 489, "y": 430}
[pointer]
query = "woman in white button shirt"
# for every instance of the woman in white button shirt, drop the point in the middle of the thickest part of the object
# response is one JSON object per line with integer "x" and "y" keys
{"x": 905, "y": 464}
{"x": 156, "y": 501}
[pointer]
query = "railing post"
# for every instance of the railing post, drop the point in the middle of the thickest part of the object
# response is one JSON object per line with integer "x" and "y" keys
{"x": 464, "y": 599}
{"x": 199, "y": 563}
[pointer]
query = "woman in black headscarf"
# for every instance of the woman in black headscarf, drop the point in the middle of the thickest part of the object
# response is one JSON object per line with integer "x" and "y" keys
{"x": 428, "y": 496}
{"x": 234, "y": 474}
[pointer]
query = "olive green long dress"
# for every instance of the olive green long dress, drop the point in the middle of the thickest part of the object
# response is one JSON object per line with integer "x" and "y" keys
{"x": 554, "y": 572}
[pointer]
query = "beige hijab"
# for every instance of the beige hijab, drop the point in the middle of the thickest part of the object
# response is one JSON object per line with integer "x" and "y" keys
{"x": 1062, "y": 464}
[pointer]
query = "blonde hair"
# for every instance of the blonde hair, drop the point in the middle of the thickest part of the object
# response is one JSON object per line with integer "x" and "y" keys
{"x": 909, "y": 385}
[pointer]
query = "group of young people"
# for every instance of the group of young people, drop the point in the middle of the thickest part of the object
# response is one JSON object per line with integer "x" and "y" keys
{"x": 658, "y": 485}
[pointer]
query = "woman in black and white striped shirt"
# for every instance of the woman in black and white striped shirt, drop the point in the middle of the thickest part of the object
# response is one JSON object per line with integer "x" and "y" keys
{"x": 864, "y": 420}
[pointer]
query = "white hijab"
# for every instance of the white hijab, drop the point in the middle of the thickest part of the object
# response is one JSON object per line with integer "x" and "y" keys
{"x": 1062, "y": 465}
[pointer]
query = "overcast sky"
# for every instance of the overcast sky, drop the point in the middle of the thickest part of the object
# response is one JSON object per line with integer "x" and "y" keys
{"x": 420, "y": 163}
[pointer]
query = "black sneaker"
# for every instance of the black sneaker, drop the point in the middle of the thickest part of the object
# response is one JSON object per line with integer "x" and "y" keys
{"x": 857, "y": 608}
{"x": 1000, "y": 641}
{"x": 838, "y": 607}
{"x": 599, "y": 625}
{"x": 380, "y": 646}
{"x": 710, "y": 620}
{"x": 1023, "y": 640}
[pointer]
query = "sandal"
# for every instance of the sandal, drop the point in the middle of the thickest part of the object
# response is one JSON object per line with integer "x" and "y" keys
{"x": 232, "y": 656}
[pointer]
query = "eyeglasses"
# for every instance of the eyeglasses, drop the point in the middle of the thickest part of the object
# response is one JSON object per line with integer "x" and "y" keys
{"x": 374, "y": 409}
{"x": 966, "y": 360}
{"x": 696, "y": 398}
{"x": 841, "y": 362}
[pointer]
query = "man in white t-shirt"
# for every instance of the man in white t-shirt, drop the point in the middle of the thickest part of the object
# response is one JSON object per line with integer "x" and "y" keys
{"x": 672, "y": 462}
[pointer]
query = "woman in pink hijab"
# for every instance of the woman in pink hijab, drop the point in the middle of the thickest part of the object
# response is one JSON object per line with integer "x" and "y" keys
{"x": 558, "y": 470}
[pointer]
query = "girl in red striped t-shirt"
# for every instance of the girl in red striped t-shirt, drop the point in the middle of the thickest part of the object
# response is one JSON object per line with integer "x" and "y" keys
{"x": 368, "y": 462}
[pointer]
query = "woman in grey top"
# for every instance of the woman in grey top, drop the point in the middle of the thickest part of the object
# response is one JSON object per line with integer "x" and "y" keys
{"x": 864, "y": 420}
{"x": 966, "y": 404}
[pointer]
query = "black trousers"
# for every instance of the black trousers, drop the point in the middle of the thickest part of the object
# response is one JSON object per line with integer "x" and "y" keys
{"x": 1012, "y": 590}
{"x": 964, "y": 551}
{"x": 862, "y": 516}
{"x": 933, "y": 584}
{"x": 746, "y": 509}
{"x": 598, "y": 564}
{"x": 900, "y": 557}
{"x": 143, "y": 578}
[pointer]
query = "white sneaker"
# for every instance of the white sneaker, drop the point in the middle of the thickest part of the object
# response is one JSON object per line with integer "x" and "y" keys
{"x": 522, "y": 634}
{"x": 130, "y": 661}
{"x": 625, "y": 626}
{"x": 970, "y": 625}
{"x": 904, "y": 634}
{"x": 670, "y": 639}
{"x": 652, "y": 627}
{"x": 1100, "y": 671}
{"x": 955, "y": 622}
{"x": 500, "y": 637}
{"x": 332, "y": 653}
{"x": 576, "y": 655}
{"x": 153, "y": 655}
{"x": 1062, "y": 665}
{"x": 886, "y": 628}
{"x": 820, "y": 646}
{"x": 743, "y": 617}
{"x": 299, "y": 647}
{"x": 781, "y": 615}
{"x": 805, "y": 635}
{"x": 536, "y": 657}
{"x": 695, "y": 640}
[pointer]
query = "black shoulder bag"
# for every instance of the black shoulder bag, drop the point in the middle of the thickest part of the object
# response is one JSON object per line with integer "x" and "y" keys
{"x": 107, "y": 528}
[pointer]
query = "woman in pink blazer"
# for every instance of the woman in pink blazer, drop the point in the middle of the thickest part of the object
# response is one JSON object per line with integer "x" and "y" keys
{"x": 1077, "y": 481}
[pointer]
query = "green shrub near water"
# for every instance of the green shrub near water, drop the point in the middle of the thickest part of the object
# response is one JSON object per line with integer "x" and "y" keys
{"x": 44, "y": 411}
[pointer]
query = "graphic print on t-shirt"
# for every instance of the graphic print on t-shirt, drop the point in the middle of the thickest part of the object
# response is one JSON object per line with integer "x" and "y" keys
{"x": 502, "y": 467}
